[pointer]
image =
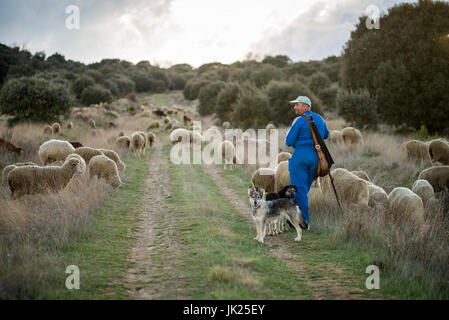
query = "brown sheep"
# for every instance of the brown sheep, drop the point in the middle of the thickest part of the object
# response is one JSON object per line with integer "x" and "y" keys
{"x": 9, "y": 147}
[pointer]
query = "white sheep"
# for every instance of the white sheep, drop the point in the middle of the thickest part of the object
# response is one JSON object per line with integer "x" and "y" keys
{"x": 56, "y": 127}
{"x": 227, "y": 153}
{"x": 281, "y": 176}
{"x": 439, "y": 151}
{"x": 48, "y": 130}
{"x": 437, "y": 176}
{"x": 179, "y": 135}
{"x": 283, "y": 156}
{"x": 137, "y": 143}
{"x": 425, "y": 191}
{"x": 151, "y": 139}
{"x": 405, "y": 206}
{"x": 35, "y": 179}
{"x": 105, "y": 168}
{"x": 123, "y": 143}
{"x": 263, "y": 178}
{"x": 87, "y": 153}
{"x": 54, "y": 150}
{"x": 351, "y": 135}
{"x": 335, "y": 136}
{"x": 415, "y": 149}
{"x": 378, "y": 198}
{"x": 9, "y": 168}
{"x": 362, "y": 175}
{"x": 352, "y": 191}
{"x": 111, "y": 154}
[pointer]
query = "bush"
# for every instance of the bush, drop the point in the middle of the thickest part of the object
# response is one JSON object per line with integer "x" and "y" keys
{"x": 264, "y": 75}
{"x": 33, "y": 99}
{"x": 96, "y": 75}
{"x": 192, "y": 88}
{"x": 208, "y": 97}
{"x": 252, "y": 109}
{"x": 357, "y": 107}
{"x": 96, "y": 94}
{"x": 328, "y": 96}
{"x": 124, "y": 84}
{"x": 225, "y": 99}
{"x": 143, "y": 82}
{"x": 319, "y": 81}
{"x": 112, "y": 86}
{"x": 280, "y": 93}
{"x": 177, "y": 81}
{"x": 82, "y": 83}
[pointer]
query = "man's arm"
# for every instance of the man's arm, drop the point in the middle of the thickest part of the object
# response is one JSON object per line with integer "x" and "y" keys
{"x": 292, "y": 133}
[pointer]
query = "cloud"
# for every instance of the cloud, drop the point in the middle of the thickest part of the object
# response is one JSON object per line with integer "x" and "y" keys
{"x": 319, "y": 32}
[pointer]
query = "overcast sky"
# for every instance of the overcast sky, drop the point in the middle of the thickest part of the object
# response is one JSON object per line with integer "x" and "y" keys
{"x": 184, "y": 31}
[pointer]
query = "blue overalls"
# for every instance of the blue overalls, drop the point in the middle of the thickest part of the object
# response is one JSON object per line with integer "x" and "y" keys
{"x": 304, "y": 161}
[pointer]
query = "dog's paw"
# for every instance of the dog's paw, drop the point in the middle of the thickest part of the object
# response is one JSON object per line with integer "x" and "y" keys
{"x": 260, "y": 240}
{"x": 256, "y": 238}
{"x": 297, "y": 239}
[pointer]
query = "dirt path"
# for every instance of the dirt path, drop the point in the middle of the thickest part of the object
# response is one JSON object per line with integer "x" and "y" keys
{"x": 321, "y": 288}
{"x": 155, "y": 233}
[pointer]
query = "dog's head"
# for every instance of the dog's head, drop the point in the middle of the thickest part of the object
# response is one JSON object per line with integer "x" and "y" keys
{"x": 288, "y": 192}
{"x": 256, "y": 197}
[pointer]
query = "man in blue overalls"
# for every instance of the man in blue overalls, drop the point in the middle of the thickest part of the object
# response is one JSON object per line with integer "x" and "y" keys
{"x": 304, "y": 161}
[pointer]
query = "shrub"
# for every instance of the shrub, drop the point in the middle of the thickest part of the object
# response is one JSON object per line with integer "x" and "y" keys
{"x": 143, "y": 82}
{"x": 264, "y": 75}
{"x": 252, "y": 109}
{"x": 96, "y": 94}
{"x": 112, "y": 86}
{"x": 124, "y": 84}
{"x": 177, "y": 81}
{"x": 319, "y": 81}
{"x": 357, "y": 107}
{"x": 33, "y": 99}
{"x": 82, "y": 83}
{"x": 208, "y": 97}
{"x": 96, "y": 75}
{"x": 225, "y": 99}
{"x": 280, "y": 93}
{"x": 192, "y": 88}
{"x": 328, "y": 96}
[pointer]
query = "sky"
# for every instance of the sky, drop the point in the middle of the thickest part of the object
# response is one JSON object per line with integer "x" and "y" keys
{"x": 168, "y": 32}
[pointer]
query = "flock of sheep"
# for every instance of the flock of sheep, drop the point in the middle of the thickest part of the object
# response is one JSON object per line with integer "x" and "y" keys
{"x": 356, "y": 190}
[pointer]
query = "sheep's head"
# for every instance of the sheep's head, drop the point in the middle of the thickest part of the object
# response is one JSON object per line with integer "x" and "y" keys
{"x": 76, "y": 165}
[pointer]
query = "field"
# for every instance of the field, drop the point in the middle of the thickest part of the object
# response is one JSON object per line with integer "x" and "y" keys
{"x": 185, "y": 231}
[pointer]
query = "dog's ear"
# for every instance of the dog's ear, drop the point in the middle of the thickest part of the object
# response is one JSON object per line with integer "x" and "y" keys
{"x": 263, "y": 192}
{"x": 250, "y": 191}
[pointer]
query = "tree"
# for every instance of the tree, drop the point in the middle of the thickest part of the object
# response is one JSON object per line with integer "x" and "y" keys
{"x": 33, "y": 99}
{"x": 357, "y": 107}
{"x": 96, "y": 94}
{"x": 208, "y": 97}
{"x": 405, "y": 64}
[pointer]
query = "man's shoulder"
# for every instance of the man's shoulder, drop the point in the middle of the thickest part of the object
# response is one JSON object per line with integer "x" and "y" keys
{"x": 298, "y": 119}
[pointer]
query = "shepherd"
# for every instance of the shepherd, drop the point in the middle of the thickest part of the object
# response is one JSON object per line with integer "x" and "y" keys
{"x": 304, "y": 161}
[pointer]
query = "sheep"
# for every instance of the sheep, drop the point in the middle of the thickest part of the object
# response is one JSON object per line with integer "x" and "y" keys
{"x": 377, "y": 196}
{"x": 151, "y": 138}
{"x": 175, "y": 126}
{"x": 268, "y": 128}
{"x": 186, "y": 119}
{"x": 405, "y": 206}
{"x": 283, "y": 156}
{"x": 145, "y": 137}
{"x": 72, "y": 155}
{"x": 137, "y": 143}
{"x": 424, "y": 190}
{"x": 76, "y": 144}
{"x": 35, "y": 179}
{"x": 281, "y": 176}
{"x": 69, "y": 125}
{"x": 54, "y": 150}
{"x": 351, "y": 135}
{"x": 167, "y": 120}
{"x": 104, "y": 168}
{"x": 121, "y": 134}
{"x": 437, "y": 176}
{"x": 263, "y": 178}
{"x": 179, "y": 135}
{"x": 415, "y": 149}
{"x": 6, "y": 146}
{"x": 352, "y": 191}
{"x": 227, "y": 153}
{"x": 159, "y": 113}
{"x": 48, "y": 130}
{"x": 56, "y": 127}
{"x": 91, "y": 123}
{"x": 153, "y": 125}
{"x": 439, "y": 151}
{"x": 10, "y": 167}
{"x": 362, "y": 175}
{"x": 87, "y": 153}
{"x": 226, "y": 125}
{"x": 335, "y": 136}
{"x": 111, "y": 154}
{"x": 112, "y": 114}
{"x": 123, "y": 143}
{"x": 112, "y": 125}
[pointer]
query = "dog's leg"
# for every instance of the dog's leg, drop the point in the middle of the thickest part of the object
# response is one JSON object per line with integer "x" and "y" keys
{"x": 257, "y": 230}
{"x": 298, "y": 229}
{"x": 263, "y": 229}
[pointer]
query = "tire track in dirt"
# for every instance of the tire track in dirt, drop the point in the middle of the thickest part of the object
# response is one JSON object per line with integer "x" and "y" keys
{"x": 321, "y": 288}
{"x": 148, "y": 278}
